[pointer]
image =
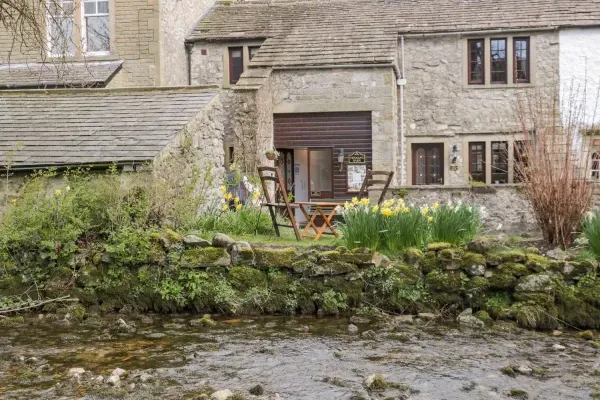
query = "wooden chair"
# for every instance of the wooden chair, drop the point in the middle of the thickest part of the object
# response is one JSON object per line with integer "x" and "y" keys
{"x": 279, "y": 193}
{"x": 370, "y": 181}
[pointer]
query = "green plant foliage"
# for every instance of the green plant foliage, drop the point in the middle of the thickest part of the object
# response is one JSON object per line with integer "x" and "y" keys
{"x": 591, "y": 230}
{"x": 456, "y": 224}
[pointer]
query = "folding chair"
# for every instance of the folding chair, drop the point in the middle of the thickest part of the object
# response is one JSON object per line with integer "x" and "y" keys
{"x": 281, "y": 193}
{"x": 370, "y": 181}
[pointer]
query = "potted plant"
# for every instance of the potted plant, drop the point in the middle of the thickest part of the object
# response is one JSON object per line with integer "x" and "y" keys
{"x": 272, "y": 154}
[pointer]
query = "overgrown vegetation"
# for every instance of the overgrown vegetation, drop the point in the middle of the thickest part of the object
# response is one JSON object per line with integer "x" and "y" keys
{"x": 396, "y": 225}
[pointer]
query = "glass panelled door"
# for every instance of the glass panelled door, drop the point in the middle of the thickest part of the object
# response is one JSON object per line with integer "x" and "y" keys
{"x": 320, "y": 173}
{"x": 428, "y": 164}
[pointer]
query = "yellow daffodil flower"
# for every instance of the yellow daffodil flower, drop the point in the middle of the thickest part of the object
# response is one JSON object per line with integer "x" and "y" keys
{"x": 238, "y": 207}
{"x": 436, "y": 205}
{"x": 228, "y": 196}
{"x": 386, "y": 212}
{"x": 430, "y": 219}
{"x": 355, "y": 200}
{"x": 14, "y": 201}
{"x": 236, "y": 200}
{"x": 224, "y": 208}
{"x": 57, "y": 192}
{"x": 223, "y": 189}
{"x": 348, "y": 206}
{"x": 405, "y": 210}
{"x": 425, "y": 210}
{"x": 255, "y": 195}
{"x": 375, "y": 208}
{"x": 364, "y": 202}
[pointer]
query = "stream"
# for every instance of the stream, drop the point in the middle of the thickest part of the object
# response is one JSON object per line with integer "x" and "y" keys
{"x": 165, "y": 357}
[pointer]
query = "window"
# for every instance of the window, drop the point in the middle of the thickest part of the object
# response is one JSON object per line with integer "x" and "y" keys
{"x": 477, "y": 161}
{"x": 236, "y": 64}
{"x": 60, "y": 27}
{"x": 498, "y": 61}
{"x": 320, "y": 173}
{"x": 476, "y": 61}
{"x": 252, "y": 51}
{"x": 499, "y": 162}
{"x": 96, "y": 26}
{"x": 522, "y": 67}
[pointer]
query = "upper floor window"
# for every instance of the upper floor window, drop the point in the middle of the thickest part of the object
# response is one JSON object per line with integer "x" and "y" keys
{"x": 498, "y": 61}
{"x": 96, "y": 26}
{"x": 522, "y": 62}
{"x": 476, "y": 61}
{"x": 252, "y": 50}
{"x": 60, "y": 26}
{"x": 236, "y": 64}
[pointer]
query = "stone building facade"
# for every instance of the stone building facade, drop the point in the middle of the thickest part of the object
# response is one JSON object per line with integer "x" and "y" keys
{"x": 146, "y": 35}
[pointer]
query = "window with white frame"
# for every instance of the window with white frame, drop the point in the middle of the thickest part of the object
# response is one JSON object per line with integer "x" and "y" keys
{"x": 96, "y": 27}
{"x": 60, "y": 27}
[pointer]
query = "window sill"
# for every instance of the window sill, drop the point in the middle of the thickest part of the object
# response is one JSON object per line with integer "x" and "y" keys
{"x": 499, "y": 86}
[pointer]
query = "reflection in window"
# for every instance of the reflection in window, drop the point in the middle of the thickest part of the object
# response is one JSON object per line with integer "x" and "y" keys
{"x": 60, "y": 27}
{"x": 477, "y": 161}
{"x": 499, "y": 162}
{"x": 96, "y": 26}
{"x": 498, "y": 60}
{"x": 476, "y": 57}
{"x": 521, "y": 60}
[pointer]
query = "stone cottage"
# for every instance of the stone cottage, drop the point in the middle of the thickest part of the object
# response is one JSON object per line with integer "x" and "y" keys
{"x": 422, "y": 88}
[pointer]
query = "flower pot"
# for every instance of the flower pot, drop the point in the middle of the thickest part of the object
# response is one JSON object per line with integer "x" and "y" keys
{"x": 271, "y": 156}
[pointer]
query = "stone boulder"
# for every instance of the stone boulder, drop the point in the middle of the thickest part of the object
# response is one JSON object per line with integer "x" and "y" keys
{"x": 193, "y": 241}
{"x": 274, "y": 258}
{"x": 205, "y": 257}
{"x": 466, "y": 318}
{"x": 242, "y": 254}
{"x": 222, "y": 240}
{"x": 536, "y": 283}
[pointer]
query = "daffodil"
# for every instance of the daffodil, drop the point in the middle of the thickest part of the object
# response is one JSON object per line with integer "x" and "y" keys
{"x": 375, "y": 208}
{"x": 425, "y": 210}
{"x": 355, "y": 200}
{"x": 348, "y": 206}
{"x": 14, "y": 201}
{"x": 364, "y": 202}
{"x": 430, "y": 219}
{"x": 223, "y": 189}
{"x": 436, "y": 205}
{"x": 238, "y": 207}
{"x": 388, "y": 203}
{"x": 386, "y": 212}
{"x": 236, "y": 200}
{"x": 255, "y": 195}
{"x": 405, "y": 210}
{"x": 57, "y": 192}
{"x": 224, "y": 207}
{"x": 228, "y": 196}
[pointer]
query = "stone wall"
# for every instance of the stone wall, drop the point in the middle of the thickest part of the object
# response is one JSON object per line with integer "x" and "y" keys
{"x": 505, "y": 210}
{"x": 344, "y": 89}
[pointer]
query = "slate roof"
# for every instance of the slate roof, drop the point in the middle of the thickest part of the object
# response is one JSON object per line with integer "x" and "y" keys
{"x": 96, "y": 126}
{"x": 329, "y": 32}
{"x": 59, "y": 74}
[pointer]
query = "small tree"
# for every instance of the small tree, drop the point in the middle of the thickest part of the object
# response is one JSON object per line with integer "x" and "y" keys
{"x": 554, "y": 161}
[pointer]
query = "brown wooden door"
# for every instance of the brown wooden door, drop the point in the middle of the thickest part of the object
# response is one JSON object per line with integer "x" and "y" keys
{"x": 428, "y": 164}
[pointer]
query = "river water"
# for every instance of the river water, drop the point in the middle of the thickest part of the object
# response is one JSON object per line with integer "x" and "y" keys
{"x": 291, "y": 358}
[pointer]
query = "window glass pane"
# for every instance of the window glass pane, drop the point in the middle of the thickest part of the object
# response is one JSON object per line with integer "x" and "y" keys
{"x": 498, "y": 60}
{"x": 477, "y": 161}
{"x": 236, "y": 54}
{"x": 97, "y": 33}
{"x": 522, "y": 60}
{"x": 60, "y": 31}
{"x": 103, "y": 7}
{"x": 499, "y": 162}
{"x": 89, "y": 8}
{"x": 320, "y": 171}
{"x": 253, "y": 51}
{"x": 476, "y": 54}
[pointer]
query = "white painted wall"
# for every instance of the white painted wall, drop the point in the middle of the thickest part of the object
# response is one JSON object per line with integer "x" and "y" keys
{"x": 580, "y": 70}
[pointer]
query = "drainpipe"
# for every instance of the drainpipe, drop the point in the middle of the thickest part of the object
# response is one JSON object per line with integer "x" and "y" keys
{"x": 401, "y": 83}
{"x": 189, "y": 49}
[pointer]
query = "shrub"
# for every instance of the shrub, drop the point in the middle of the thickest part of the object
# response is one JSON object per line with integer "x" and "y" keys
{"x": 591, "y": 230}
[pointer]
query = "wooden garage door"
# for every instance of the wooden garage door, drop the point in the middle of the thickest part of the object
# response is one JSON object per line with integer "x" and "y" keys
{"x": 350, "y": 131}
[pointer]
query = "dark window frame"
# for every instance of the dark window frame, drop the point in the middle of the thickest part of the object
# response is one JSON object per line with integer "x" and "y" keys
{"x": 495, "y": 166}
{"x": 233, "y": 79}
{"x": 484, "y": 172}
{"x": 250, "y": 48}
{"x": 492, "y": 62}
{"x": 472, "y": 81}
{"x": 528, "y": 55}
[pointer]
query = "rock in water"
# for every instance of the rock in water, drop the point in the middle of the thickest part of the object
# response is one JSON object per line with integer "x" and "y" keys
{"x": 466, "y": 318}
{"x": 221, "y": 395}
{"x": 558, "y": 347}
{"x": 352, "y": 329}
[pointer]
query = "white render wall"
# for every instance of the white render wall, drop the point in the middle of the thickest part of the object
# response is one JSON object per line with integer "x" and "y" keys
{"x": 580, "y": 69}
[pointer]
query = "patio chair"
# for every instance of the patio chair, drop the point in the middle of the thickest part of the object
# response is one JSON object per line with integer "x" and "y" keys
{"x": 272, "y": 174}
{"x": 370, "y": 181}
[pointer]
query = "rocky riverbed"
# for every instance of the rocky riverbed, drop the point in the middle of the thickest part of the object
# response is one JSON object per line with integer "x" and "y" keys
{"x": 186, "y": 357}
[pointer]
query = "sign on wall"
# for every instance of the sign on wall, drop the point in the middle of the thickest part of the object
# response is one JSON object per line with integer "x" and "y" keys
{"x": 356, "y": 176}
{"x": 357, "y": 158}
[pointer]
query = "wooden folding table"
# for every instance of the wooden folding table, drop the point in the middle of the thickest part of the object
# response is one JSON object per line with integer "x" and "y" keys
{"x": 324, "y": 209}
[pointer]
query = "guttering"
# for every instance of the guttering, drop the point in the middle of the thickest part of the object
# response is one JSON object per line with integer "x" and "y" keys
{"x": 336, "y": 66}
{"x": 189, "y": 48}
{"x": 478, "y": 32}
{"x": 402, "y": 141}
{"x": 61, "y": 167}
